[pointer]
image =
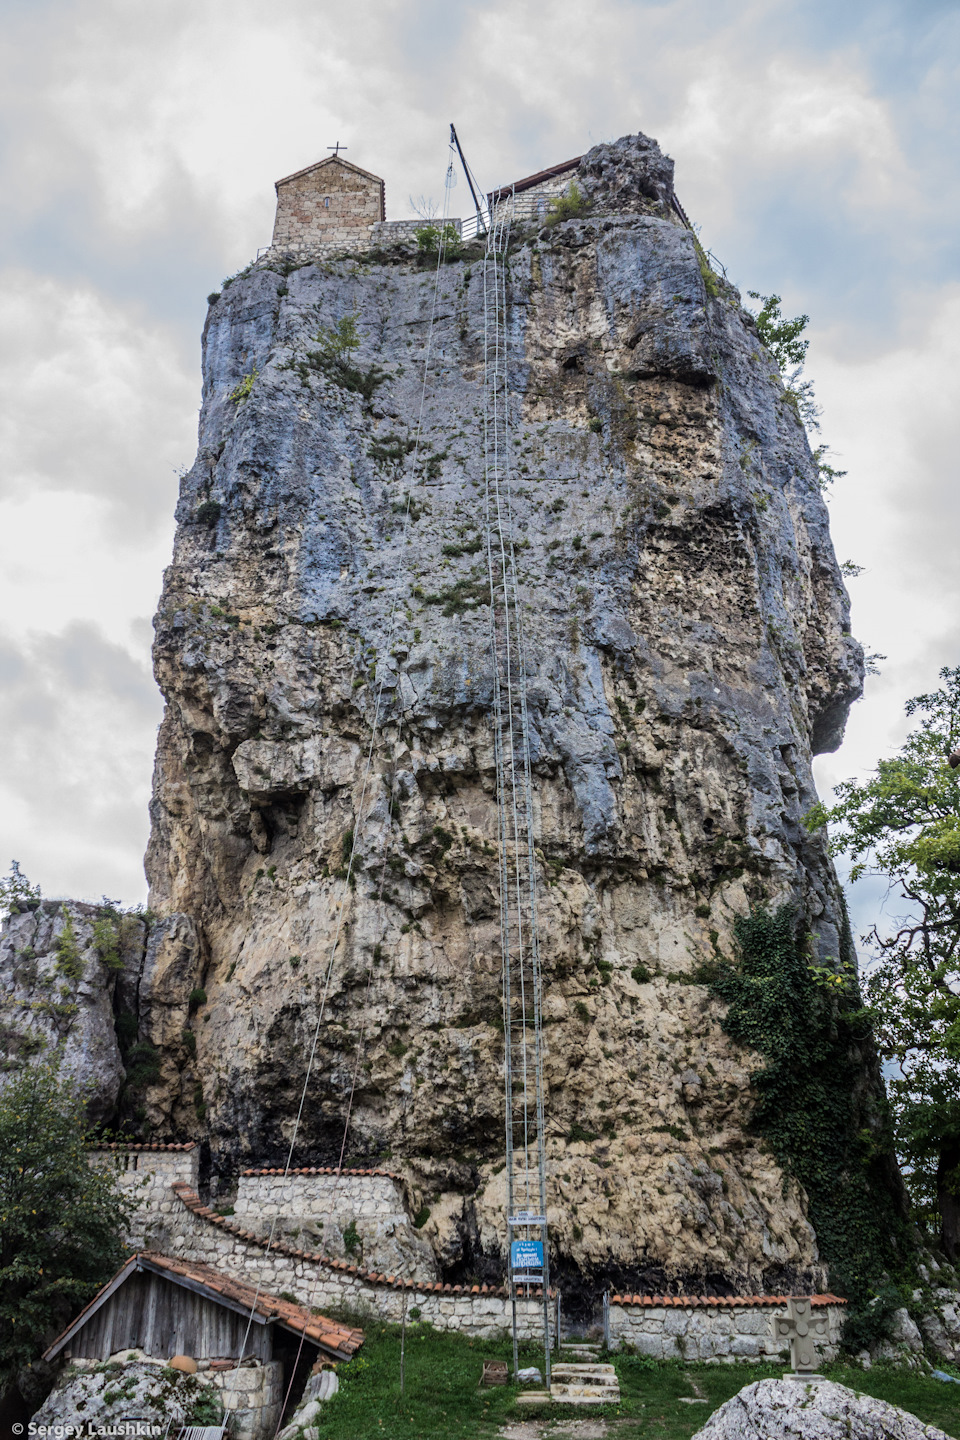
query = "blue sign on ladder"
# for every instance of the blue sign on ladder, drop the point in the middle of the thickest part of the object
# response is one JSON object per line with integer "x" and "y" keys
{"x": 526, "y": 1255}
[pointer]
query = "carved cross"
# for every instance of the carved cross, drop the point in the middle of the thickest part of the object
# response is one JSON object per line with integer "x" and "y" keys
{"x": 803, "y": 1329}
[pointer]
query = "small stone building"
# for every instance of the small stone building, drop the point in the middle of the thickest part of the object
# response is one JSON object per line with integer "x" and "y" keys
{"x": 531, "y": 196}
{"x": 328, "y": 206}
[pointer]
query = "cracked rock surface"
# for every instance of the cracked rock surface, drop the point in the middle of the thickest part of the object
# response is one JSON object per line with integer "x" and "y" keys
{"x": 322, "y": 643}
{"x": 792, "y": 1410}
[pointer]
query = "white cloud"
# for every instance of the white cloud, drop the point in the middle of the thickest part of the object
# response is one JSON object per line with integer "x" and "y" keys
{"x": 79, "y": 716}
{"x": 145, "y": 144}
{"x": 97, "y": 399}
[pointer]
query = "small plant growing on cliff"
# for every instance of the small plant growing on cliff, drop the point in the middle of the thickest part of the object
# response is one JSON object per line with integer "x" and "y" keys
{"x": 16, "y": 892}
{"x": 567, "y": 207}
{"x": 710, "y": 282}
{"x": 434, "y": 240}
{"x": 781, "y": 337}
{"x": 826, "y": 474}
{"x": 244, "y": 388}
{"x": 106, "y": 940}
{"x": 334, "y": 346}
{"x": 208, "y": 513}
{"x": 69, "y": 959}
{"x": 143, "y": 1065}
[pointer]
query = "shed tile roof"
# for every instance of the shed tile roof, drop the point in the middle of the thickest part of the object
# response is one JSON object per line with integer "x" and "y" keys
{"x": 328, "y": 1333}
{"x": 339, "y": 1339}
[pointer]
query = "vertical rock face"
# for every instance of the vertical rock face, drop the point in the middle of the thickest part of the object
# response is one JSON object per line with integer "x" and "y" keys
{"x": 323, "y": 647}
{"x": 69, "y": 976}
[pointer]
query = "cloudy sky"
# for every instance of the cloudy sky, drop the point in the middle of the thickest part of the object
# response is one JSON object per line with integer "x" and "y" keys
{"x": 816, "y": 146}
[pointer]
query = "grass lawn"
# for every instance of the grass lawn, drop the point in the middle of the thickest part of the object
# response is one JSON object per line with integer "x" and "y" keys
{"x": 443, "y": 1401}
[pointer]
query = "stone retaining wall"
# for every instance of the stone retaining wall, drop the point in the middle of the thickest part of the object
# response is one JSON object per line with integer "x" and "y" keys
{"x": 381, "y": 234}
{"x": 318, "y": 1208}
{"x": 389, "y": 232}
{"x": 194, "y": 1232}
{"x": 678, "y": 1327}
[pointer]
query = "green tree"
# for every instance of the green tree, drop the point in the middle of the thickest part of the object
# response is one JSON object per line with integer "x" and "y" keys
{"x": 903, "y": 823}
{"x": 16, "y": 892}
{"x": 61, "y": 1221}
{"x": 781, "y": 337}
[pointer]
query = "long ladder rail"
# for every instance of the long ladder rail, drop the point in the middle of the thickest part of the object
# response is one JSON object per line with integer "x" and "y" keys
{"x": 513, "y": 785}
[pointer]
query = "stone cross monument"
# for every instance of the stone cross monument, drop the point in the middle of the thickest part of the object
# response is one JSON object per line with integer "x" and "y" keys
{"x": 803, "y": 1329}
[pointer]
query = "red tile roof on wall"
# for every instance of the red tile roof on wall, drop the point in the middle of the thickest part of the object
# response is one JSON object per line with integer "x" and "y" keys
{"x": 323, "y": 1170}
{"x": 715, "y": 1301}
{"x": 123, "y": 1145}
{"x": 341, "y": 1340}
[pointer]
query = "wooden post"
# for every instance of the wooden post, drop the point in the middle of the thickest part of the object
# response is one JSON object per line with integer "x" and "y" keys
{"x": 403, "y": 1337}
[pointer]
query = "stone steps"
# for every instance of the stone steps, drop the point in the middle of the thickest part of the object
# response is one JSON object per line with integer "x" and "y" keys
{"x": 572, "y": 1384}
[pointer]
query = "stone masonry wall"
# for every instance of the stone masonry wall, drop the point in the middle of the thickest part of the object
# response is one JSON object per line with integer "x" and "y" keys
{"x": 332, "y": 205}
{"x": 389, "y": 232}
{"x": 536, "y": 200}
{"x": 689, "y": 1328}
{"x": 317, "y": 1196}
{"x": 336, "y": 1284}
{"x": 146, "y": 1174}
{"x": 319, "y": 1209}
{"x": 705, "y": 1332}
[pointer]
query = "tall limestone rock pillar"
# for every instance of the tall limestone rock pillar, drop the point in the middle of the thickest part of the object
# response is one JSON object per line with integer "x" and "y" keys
{"x": 688, "y": 649}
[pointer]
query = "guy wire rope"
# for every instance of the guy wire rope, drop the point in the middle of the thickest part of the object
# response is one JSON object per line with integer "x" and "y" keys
{"x": 511, "y": 735}
{"x": 375, "y": 724}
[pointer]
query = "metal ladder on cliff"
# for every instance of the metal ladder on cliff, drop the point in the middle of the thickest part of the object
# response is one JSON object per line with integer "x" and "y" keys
{"x": 527, "y": 1250}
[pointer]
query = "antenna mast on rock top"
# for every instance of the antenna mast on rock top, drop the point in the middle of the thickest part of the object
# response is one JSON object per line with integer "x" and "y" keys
{"x": 481, "y": 220}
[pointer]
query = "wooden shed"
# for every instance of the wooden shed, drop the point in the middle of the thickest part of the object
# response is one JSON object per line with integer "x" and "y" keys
{"x": 168, "y": 1307}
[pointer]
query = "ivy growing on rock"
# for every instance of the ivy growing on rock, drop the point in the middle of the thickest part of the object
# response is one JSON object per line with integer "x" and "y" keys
{"x": 820, "y": 1107}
